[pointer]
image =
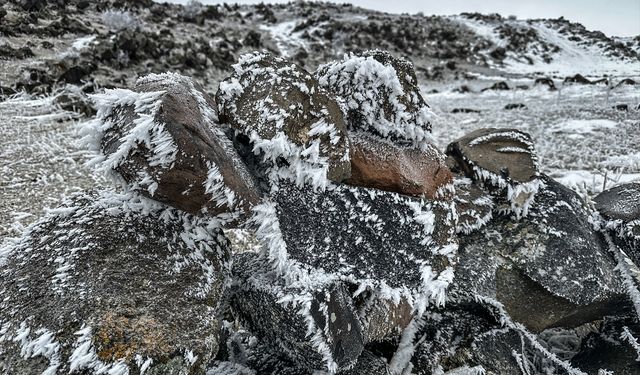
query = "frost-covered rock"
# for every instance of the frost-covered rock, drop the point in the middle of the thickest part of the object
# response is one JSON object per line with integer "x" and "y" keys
{"x": 288, "y": 117}
{"x": 620, "y": 209}
{"x": 615, "y": 348}
{"x": 112, "y": 283}
{"x": 473, "y": 205}
{"x": 314, "y": 325}
{"x": 385, "y": 165}
{"x": 381, "y": 95}
{"x": 369, "y": 364}
{"x": 164, "y": 140}
{"x": 502, "y": 160}
{"x": 352, "y": 234}
{"x": 551, "y": 268}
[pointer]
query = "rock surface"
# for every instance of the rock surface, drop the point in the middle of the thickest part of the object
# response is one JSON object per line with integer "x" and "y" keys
{"x": 548, "y": 269}
{"x": 316, "y": 328}
{"x": 163, "y": 139}
{"x": 113, "y": 283}
{"x": 381, "y": 94}
{"x": 620, "y": 208}
{"x": 381, "y": 164}
{"x": 286, "y": 113}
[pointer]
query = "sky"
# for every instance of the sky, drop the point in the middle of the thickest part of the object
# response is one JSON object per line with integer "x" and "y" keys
{"x": 613, "y": 17}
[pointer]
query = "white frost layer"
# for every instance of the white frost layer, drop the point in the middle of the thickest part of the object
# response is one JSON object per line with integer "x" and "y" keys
{"x": 357, "y": 79}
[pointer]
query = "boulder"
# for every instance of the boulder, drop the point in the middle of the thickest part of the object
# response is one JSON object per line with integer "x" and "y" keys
{"x": 353, "y": 232}
{"x": 465, "y": 110}
{"x": 511, "y": 106}
{"x": 381, "y": 94}
{"x": 545, "y": 82}
{"x": 164, "y": 141}
{"x": 381, "y": 164}
{"x": 620, "y": 210}
{"x": 498, "y": 86}
{"x": 286, "y": 114}
{"x": 316, "y": 327}
{"x": 501, "y": 160}
{"x": 614, "y": 347}
{"x": 627, "y": 81}
{"x": 548, "y": 269}
{"x": 578, "y": 78}
{"x": 114, "y": 283}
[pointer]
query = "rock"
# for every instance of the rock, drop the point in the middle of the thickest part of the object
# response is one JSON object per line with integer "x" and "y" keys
{"x": 545, "y": 82}
{"x": 384, "y": 165}
{"x": 77, "y": 74}
{"x": 502, "y": 160}
{"x": 611, "y": 349}
{"x": 474, "y": 206}
{"x": 9, "y": 53}
{"x": 112, "y": 282}
{"x": 317, "y": 328}
{"x": 381, "y": 94}
{"x": 626, "y": 81}
{"x": 465, "y": 110}
{"x": 578, "y": 78}
{"x": 548, "y": 269}
{"x": 498, "y": 86}
{"x": 620, "y": 209}
{"x": 164, "y": 140}
{"x": 278, "y": 105}
{"x": 349, "y": 232}
{"x": 621, "y": 107}
{"x": 73, "y": 99}
{"x": 383, "y": 319}
{"x": 515, "y": 106}
{"x": 369, "y": 364}
{"x": 462, "y": 89}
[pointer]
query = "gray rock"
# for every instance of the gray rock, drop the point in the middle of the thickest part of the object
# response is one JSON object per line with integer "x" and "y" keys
{"x": 112, "y": 282}
{"x": 473, "y": 205}
{"x": 164, "y": 140}
{"x": 274, "y": 102}
{"x": 353, "y": 232}
{"x": 620, "y": 209}
{"x": 611, "y": 348}
{"x": 381, "y": 93}
{"x": 369, "y": 364}
{"x": 548, "y": 269}
{"x": 315, "y": 328}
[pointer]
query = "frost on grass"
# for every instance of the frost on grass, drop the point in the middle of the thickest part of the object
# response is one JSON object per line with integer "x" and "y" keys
{"x": 291, "y": 123}
{"x": 381, "y": 95}
{"x": 88, "y": 259}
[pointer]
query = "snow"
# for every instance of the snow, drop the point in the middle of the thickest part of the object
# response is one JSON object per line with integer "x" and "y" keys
{"x": 286, "y": 39}
{"x": 82, "y": 43}
{"x": 578, "y": 128}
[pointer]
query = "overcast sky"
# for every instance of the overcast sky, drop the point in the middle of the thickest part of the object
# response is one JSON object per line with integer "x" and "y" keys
{"x": 613, "y": 17}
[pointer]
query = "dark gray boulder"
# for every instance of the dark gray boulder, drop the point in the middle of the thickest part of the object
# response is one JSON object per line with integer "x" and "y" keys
{"x": 548, "y": 269}
{"x": 113, "y": 283}
{"x": 314, "y": 327}
{"x": 620, "y": 210}
{"x": 286, "y": 114}
{"x": 381, "y": 94}
{"x": 615, "y": 347}
{"x": 163, "y": 139}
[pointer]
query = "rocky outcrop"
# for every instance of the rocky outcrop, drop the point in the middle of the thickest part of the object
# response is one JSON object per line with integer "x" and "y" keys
{"x": 113, "y": 283}
{"x": 284, "y": 112}
{"x": 164, "y": 140}
{"x": 548, "y": 269}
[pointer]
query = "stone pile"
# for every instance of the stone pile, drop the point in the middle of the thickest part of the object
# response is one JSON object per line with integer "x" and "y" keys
{"x": 379, "y": 254}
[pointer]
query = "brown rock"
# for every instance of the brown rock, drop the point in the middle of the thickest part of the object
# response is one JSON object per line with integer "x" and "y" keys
{"x": 190, "y": 164}
{"x": 384, "y": 319}
{"x": 268, "y": 96}
{"x": 505, "y": 153}
{"x": 384, "y": 165}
